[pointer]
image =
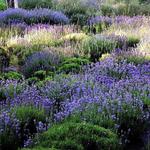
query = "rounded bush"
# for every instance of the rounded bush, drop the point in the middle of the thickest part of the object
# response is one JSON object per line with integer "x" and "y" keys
{"x": 73, "y": 65}
{"x": 78, "y": 136}
{"x": 67, "y": 68}
{"x": 132, "y": 41}
{"x": 43, "y": 60}
{"x": 34, "y": 16}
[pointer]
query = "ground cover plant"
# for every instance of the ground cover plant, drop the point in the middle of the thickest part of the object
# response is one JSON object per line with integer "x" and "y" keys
{"x": 75, "y": 75}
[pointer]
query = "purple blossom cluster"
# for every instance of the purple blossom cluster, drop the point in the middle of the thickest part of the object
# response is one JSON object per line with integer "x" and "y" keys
{"x": 111, "y": 81}
{"x": 14, "y": 16}
{"x": 109, "y": 93}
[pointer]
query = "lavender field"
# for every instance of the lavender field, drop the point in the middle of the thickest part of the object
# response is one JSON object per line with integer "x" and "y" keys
{"x": 75, "y": 75}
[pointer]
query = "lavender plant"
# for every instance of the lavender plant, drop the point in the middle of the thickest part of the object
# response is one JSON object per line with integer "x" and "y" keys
{"x": 43, "y": 60}
{"x": 44, "y": 15}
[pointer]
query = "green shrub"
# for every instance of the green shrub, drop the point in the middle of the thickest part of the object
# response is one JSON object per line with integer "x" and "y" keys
{"x": 96, "y": 47}
{"x": 132, "y": 41}
{"x": 41, "y": 74}
{"x": 67, "y": 68}
{"x": 12, "y": 75}
{"x": 29, "y": 114}
{"x": 80, "y": 61}
{"x": 107, "y": 10}
{"x": 73, "y": 65}
{"x": 30, "y": 4}
{"x": 78, "y": 136}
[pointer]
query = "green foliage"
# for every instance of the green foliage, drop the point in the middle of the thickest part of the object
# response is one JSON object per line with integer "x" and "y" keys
{"x": 77, "y": 12}
{"x": 137, "y": 59}
{"x": 32, "y": 80}
{"x": 67, "y": 68}
{"x": 107, "y": 10}
{"x": 8, "y": 140}
{"x": 134, "y": 58}
{"x": 129, "y": 9}
{"x": 30, "y": 4}
{"x": 78, "y": 136}
{"x": 72, "y": 65}
{"x": 80, "y": 61}
{"x": 100, "y": 27}
{"x": 29, "y": 114}
{"x": 41, "y": 74}
{"x": 132, "y": 41}
{"x": 1, "y": 77}
{"x": 12, "y": 75}
{"x": 96, "y": 47}
{"x": 144, "y": 1}
{"x": 2, "y": 5}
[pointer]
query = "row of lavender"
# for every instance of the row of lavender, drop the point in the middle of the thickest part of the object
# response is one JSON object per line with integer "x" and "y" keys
{"x": 11, "y": 16}
{"x": 44, "y": 15}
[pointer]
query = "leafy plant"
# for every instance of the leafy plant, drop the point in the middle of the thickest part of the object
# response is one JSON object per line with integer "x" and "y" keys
{"x": 78, "y": 136}
{"x": 132, "y": 41}
{"x": 2, "y": 5}
{"x": 97, "y": 47}
{"x": 12, "y": 75}
{"x": 41, "y": 74}
{"x": 72, "y": 65}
